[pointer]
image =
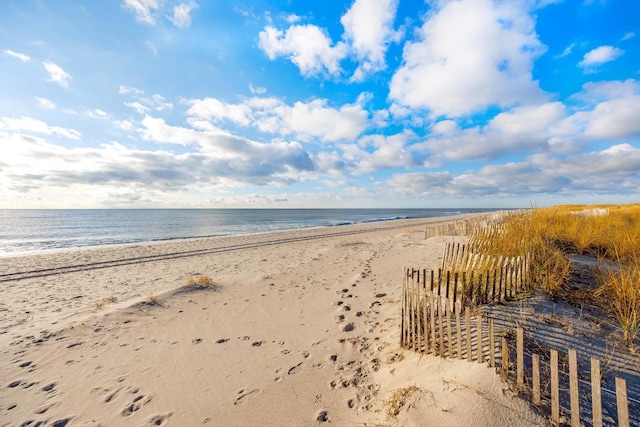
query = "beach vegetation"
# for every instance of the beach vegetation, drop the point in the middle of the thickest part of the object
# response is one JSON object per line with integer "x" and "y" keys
{"x": 200, "y": 281}
{"x": 351, "y": 242}
{"x": 99, "y": 305}
{"x": 152, "y": 299}
{"x": 608, "y": 234}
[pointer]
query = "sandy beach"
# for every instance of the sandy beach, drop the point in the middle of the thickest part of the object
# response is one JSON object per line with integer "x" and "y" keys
{"x": 300, "y": 328}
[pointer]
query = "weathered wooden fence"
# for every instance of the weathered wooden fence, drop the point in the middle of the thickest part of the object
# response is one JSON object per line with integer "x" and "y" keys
{"x": 434, "y": 321}
{"x": 475, "y": 283}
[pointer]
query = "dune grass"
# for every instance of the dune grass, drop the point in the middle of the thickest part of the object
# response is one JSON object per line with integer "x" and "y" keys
{"x": 608, "y": 232}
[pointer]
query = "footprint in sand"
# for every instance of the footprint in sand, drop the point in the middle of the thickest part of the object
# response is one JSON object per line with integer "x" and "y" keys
{"x": 135, "y": 405}
{"x": 349, "y": 327}
{"x": 323, "y": 416}
{"x": 158, "y": 420}
{"x": 295, "y": 369}
{"x": 243, "y": 394}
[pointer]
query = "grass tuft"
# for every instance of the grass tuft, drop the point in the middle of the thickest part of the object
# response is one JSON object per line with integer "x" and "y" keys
{"x": 200, "y": 281}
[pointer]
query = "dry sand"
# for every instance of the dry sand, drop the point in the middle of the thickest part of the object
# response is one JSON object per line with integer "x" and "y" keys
{"x": 301, "y": 329}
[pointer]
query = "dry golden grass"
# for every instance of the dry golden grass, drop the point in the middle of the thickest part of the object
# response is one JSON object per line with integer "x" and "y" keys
{"x": 399, "y": 399}
{"x": 349, "y": 243}
{"x": 608, "y": 232}
{"x": 200, "y": 281}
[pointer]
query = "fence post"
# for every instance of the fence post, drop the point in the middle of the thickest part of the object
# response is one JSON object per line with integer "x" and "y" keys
{"x": 596, "y": 393}
{"x": 555, "y": 388}
{"x": 623, "y": 404}
{"x": 441, "y": 325}
{"x": 573, "y": 388}
{"x": 520, "y": 358}
{"x": 449, "y": 330}
{"x": 505, "y": 357}
{"x": 535, "y": 361}
{"x": 432, "y": 296}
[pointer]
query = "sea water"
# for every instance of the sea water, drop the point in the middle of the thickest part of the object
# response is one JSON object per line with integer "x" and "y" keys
{"x": 28, "y": 231}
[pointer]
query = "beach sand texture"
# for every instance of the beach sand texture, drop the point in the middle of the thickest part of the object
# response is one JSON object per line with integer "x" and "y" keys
{"x": 301, "y": 328}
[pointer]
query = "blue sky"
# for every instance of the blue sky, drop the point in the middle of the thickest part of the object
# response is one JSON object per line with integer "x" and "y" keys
{"x": 365, "y": 103}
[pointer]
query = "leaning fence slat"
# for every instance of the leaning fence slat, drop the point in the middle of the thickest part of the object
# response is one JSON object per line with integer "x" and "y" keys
{"x": 596, "y": 393}
{"x": 535, "y": 368}
{"x": 623, "y": 404}
{"x": 555, "y": 389}
{"x": 573, "y": 388}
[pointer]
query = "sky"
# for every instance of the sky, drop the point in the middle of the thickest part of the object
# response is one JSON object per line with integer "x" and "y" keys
{"x": 331, "y": 104}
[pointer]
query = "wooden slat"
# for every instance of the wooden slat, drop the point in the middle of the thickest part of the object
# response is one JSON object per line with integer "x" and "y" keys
{"x": 505, "y": 357}
{"x": 492, "y": 345}
{"x": 535, "y": 368}
{"x": 441, "y": 325}
{"x": 555, "y": 389}
{"x": 479, "y": 338}
{"x": 520, "y": 357}
{"x": 449, "y": 330}
{"x": 467, "y": 318}
{"x": 433, "y": 322}
{"x": 459, "y": 330}
{"x": 623, "y": 403}
{"x": 596, "y": 393}
{"x": 573, "y": 388}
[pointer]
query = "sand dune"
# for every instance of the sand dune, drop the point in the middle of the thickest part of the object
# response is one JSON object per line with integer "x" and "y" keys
{"x": 301, "y": 328}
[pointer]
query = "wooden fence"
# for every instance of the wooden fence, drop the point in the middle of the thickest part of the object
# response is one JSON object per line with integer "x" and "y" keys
{"x": 435, "y": 322}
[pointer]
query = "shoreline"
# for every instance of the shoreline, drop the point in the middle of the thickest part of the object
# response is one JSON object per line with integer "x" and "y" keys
{"x": 304, "y": 316}
{"x": 299, "y": 227}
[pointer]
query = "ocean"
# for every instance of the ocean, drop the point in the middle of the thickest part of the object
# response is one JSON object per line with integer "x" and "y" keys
{"x": 33, "y": 231}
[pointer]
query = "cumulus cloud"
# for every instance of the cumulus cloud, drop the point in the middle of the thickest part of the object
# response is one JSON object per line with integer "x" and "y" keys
{"x": 28, "y": 124}
{"x": 614, "y": 170}
{"x": 149, "y": 11}
{"x": 57, "y": 74}
{"x": 307, "y": 46}
{"x": 470, "y": 55}
{"x": 609, "y": 111}
{"x": 368, "y": 29}
{"x": 304, "y": 120}
{"x": 599, "y": 56}
{"x": 21, "y": 56}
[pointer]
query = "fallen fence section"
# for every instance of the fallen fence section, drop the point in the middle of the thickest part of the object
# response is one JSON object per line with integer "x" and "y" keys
{"x": 561, "y": 385}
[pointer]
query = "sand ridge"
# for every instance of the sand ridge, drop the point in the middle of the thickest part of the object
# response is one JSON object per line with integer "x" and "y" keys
{"x": 296, "y": 332}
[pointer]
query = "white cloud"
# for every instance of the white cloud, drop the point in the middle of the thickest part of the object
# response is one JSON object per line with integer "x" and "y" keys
{"x": 144, "y": 104}
{"x": 368, "y": 28}
{"x": 257, "y": 89}
{"x": 470, "y": 55}
{"x": 629, "y": 35}
{"x": 182, "y": 14}
{"x": 45, "y": 103}
{"x": 600, "y": 55}
{"x": 33, "y": 125}
{"x": 610, "y": 111}
{"x": 567, "y": 51}
{"x": 378, "y": 152}
{"x": 314, "y": 119}
{"x": 149, "y": 11}
{"x": 614, "y": 170}
{"x": 57, "y": 74}
{"x": 307, "y": 46}
{"x": 143, "y": 9}
{"x": 21, "y": 56}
